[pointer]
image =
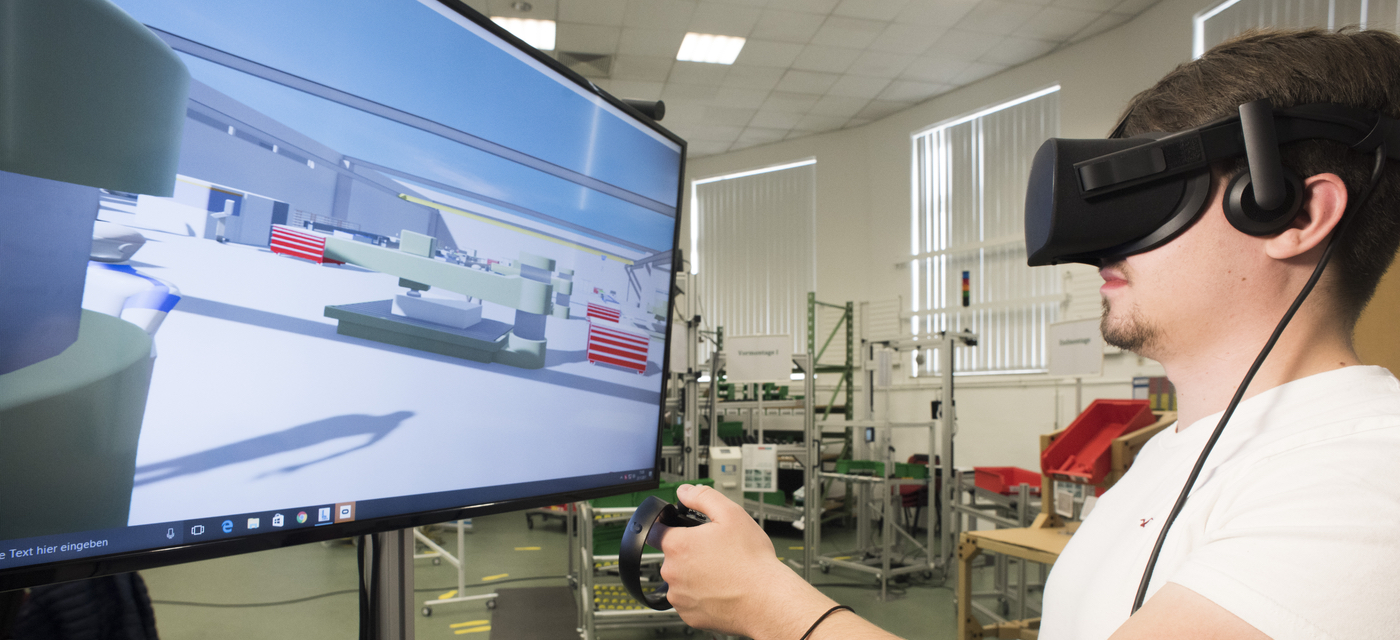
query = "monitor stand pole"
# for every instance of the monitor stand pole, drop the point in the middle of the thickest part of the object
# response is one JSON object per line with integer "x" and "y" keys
{"x": 10, "y": 603}
{"x": 393, "y": 561}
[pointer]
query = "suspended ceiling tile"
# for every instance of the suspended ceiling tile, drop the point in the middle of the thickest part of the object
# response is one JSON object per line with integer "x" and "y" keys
{"x": 732, "y": 116}
{"x": 684, "y": 114}
{"x": 794, "y": 102}
{"x": 702, "y": 148}
{"x": 807, "y": 82}
{"x": 822, "y": 7}
{"x": 718, "y": 133}
{"x": 881, "y": 64}
{"x": 936, "y": 68}
{"x": 697, "y": 73}
{"x": 688, "y": 93}
{"x": 939, "y": 13}
{"x": 854, "y": 33}
{"x": 765, "y": 53}
{"x": 1088, "y": 5}
{"x": 976, "y": 71}
{"x": 1133, "y": 7}
{"x": 912, "y": 91}
{"x": 775, "y": 119}
{"x": 636, "y": 90}
{"x": 858, "y": 86}
{"x": 839, "y": 106}
{"x": 884, "y": 10}
{"x": 997, "y": 17}
{"x": 740, "y": 97}
{"x": 659, "y": 14}
{"x": 857, "y": 122}
{"x": 650, "y": 42}
{"x": 723, "y": 19}
{"x": 823, "y": 58}
{"x": 757, "y": 135}
{"x": 643, "y": 68}
{"x": 817, "y": 122}
{"x": 787, "y": 26}
{"x": 907, "y": 38}
{"x": 1104, "y": 23}
{"x": 1057, "y": 23}
{"x": 880, "y": 108}
{"x": 587, "y": 38}
{"x": 1013, "y": 51}
{"x": 603, "y": 12}
{"x": 963, "y": 45}
{"x": 750, "y": 77}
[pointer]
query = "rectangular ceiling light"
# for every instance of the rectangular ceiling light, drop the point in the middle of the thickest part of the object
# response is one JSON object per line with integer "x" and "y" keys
{"x": 536, "y": 33}
{"x": 705, "y": 47}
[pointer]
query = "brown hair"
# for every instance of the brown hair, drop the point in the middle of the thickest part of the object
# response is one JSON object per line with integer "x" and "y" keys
{"x": 1295, "y": 67}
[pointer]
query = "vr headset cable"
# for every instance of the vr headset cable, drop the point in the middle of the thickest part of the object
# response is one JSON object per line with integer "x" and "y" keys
{"x": 1341, "y": 230}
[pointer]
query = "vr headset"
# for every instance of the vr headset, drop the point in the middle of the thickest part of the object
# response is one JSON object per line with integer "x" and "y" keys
{"x": 1097, "y": 201}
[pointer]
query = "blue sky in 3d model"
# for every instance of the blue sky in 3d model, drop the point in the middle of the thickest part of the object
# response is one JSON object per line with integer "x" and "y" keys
{"x": 403, "y": 54}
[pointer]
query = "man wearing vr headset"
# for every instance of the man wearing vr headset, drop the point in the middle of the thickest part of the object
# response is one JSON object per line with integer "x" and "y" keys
{"x": 1205, "y": 240}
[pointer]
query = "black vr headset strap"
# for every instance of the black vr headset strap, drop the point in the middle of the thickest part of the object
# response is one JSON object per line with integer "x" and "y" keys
{"x": 1194, "y": 149}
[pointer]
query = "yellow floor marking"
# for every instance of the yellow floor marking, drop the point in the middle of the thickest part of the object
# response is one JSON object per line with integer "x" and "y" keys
{"x": 794, "y": 548}
{"x": 842, "y": 558}
{"x": 472, "y": 630}
{"x": 447, "y": 595}
{"x": 495, "y": 577}
{"x": 473, "y": 623}
{"x": 527, "y": 548}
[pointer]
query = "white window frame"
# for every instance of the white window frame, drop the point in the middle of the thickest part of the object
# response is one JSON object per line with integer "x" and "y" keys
{"x": 1015, "y": 325}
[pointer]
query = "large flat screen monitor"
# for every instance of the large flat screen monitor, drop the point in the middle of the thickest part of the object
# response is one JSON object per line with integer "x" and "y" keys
{"x": 411, "y": 270}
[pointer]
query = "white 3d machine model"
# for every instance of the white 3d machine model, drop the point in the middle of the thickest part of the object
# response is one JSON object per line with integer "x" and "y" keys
{"x": 453, "y": 328}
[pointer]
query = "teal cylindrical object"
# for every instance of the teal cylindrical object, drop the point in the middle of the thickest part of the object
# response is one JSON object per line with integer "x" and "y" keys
{"x": 89, "y": 95}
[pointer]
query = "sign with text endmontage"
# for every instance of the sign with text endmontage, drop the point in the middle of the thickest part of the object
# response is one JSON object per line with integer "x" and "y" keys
{"x": 1076, "y": 348}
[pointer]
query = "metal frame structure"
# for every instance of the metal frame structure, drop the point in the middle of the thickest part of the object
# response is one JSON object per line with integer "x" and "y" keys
{"x": 590, "y": 618}
{"x": 938, "y": 546}
{"x": 438, "y": 553}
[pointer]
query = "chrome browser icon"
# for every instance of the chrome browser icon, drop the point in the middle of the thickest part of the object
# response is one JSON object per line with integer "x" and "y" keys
{"x": 301, "y": 517}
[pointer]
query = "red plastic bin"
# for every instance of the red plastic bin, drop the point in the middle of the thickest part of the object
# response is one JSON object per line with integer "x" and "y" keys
{"x": 1004, "y": 480}
{"x": 1082, "y": 454}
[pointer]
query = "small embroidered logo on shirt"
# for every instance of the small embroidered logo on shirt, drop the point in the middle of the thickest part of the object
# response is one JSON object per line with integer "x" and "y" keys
{"x": 1144, "y": 522}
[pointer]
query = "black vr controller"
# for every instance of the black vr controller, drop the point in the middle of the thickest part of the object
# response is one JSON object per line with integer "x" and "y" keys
{"x": 648, "y": 524}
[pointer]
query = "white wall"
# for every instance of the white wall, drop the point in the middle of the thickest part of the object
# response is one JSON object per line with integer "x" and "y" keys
{"x": 863, "y": 212}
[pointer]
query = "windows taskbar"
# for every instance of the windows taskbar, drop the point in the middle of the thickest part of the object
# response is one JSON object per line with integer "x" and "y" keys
{"x": 65, "y": 547}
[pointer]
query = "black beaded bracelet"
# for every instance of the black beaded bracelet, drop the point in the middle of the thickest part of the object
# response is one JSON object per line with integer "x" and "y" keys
{"x": 824, "y": 616}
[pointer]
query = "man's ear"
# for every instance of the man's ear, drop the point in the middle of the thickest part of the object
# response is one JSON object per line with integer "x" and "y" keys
{"x": 1324, "y": 201}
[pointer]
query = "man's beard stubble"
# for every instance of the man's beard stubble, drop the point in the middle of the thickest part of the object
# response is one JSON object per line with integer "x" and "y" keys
{"x": 1133, "y": 333}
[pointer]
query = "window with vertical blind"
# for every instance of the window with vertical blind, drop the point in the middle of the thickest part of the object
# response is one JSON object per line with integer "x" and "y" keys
{"x": 753, "y": 250}
{"x": 968, "y": 268}
{"x": 1233, "y": 17}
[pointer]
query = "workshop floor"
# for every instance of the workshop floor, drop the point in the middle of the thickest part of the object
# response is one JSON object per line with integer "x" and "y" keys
{"x": 274, "y": 594}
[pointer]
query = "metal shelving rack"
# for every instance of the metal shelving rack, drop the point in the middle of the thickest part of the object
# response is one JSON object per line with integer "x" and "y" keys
{"x": 937, "y": 548}
{"x": 594, "y": 571}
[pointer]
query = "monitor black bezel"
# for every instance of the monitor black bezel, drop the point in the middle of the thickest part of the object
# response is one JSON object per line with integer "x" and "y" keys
{"x": 79, "y": 569}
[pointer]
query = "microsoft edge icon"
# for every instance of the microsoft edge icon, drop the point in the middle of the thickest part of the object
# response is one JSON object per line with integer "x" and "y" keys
{"x": 228, "y": 526}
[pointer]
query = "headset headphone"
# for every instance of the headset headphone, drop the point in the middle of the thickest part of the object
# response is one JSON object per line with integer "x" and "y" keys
{"x": 1104, "y": 199}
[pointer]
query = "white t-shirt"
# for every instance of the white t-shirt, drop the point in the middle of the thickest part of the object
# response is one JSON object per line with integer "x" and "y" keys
{"x": 1293, "y": 524}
